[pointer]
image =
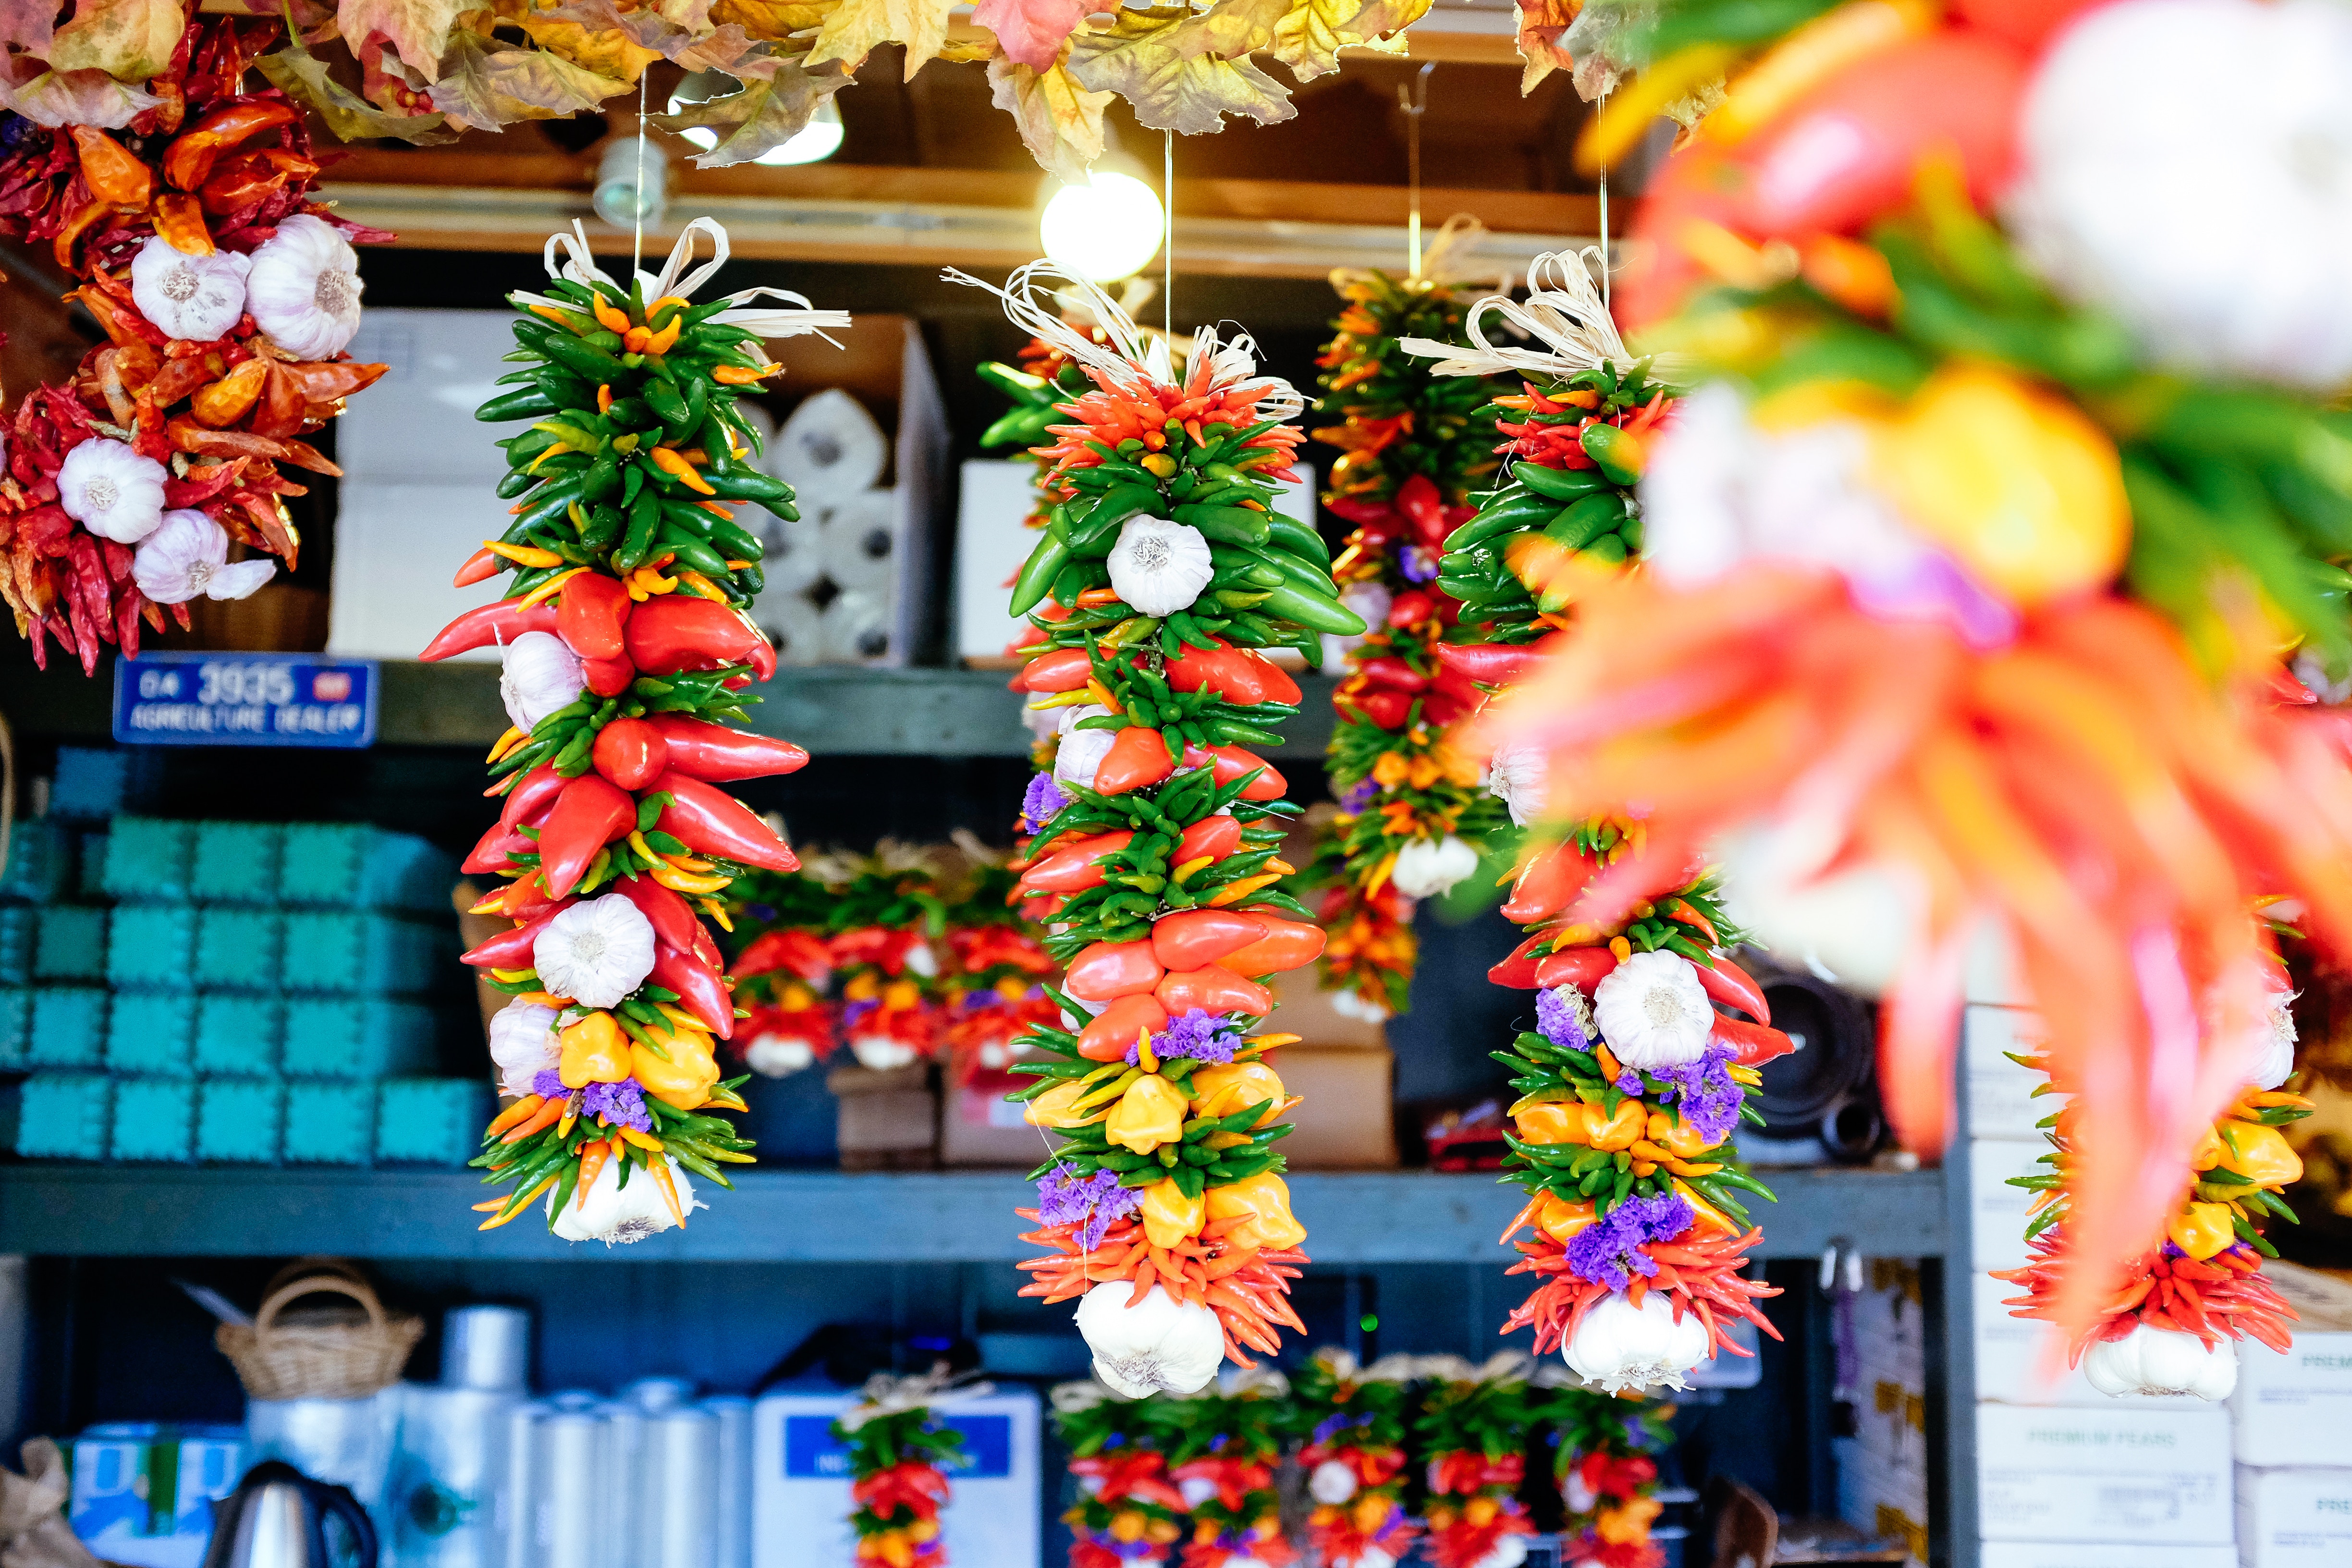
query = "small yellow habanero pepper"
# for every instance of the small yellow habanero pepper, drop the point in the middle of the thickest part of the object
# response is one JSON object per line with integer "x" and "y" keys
{"x": 1151, "y": 1112}
{"x": 1223, "y": 1089}
{"x": 1551, "y": 1121}
{"x": 2261, "y": 1154}
{"x": 1266, "y": 1201}
{"x": 2202, "y": 1230}
{"x": 686, "y": 1079}
{"x": 594, "y": 1051}
{"x": 1052, "y": 1109}
{"x": 1168, "y": 1216}
{"x": 1707, "y": 1213}
{"x": 1676, "y": 1136}
{"x": 1560, "y": 1219}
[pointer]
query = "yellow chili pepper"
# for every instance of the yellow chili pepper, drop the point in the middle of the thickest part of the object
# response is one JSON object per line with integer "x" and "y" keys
{"x": 678, "y": 881}
{"x": 523, "y": 554}
{"x": 521, "y": 1203}
{"x": 510, "y": 975}
{"x": 642, "y": 1140}
{"x": 1170, "y": 1218}
{"x": 2261, "y": 1154}
{"x": 701, "y": 587}
{"x": 507, "y": 742}
{"x": 1707, "y": 1213}
{"x": 1265, "y": 1203}
{"x": 1151, "y": 1112}
{"x": 662, "y": 341}
{"x": 1190, "y": 868}
{"x": 1101, "y": 694}
{"x": 717, "y": 911}
{"x": 660, "y": 1169}
{"x": 549, "y": 589}
{"x": 741, "y": 375}
{"x": 669, "y": 462}
{"x": 1057, "y": 1108}
{"x": 1234, "y": 893}
{"x": 596, "y": 1051}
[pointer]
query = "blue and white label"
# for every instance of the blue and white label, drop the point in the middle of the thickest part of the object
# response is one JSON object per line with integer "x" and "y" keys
{"x": 245, "y": 699}
{"x": 811, "y": 1451}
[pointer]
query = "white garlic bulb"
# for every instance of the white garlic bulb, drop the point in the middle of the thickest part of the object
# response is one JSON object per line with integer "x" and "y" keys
{"x": 304, "y": 288}
{"x": 2163, "y": 1362}
{"x": 1160, "y": 1345}
{"x": 1428, "y": 867}
{"x": 1620, "y": 1346}
{"x": 1654, "y": 1012}
{"x": 198, "y": 298}
{"x": 1159, "y": 567}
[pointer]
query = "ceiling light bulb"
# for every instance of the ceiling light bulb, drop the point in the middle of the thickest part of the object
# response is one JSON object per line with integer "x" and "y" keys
{"x": 1104, "y": 231}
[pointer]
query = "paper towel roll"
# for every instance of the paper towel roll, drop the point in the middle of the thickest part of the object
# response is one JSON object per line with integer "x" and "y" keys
{"x": 731, "y": 1504}
{"x": 793, "y": 625}
{"x": 515, "y": 1524}
{"x": 676, "y": 1528}
{"x": 830, "y": 446}
{"x": 619, "y": 1504}
{"x": 569, "y": 1477}
{"x": 795, "y": 550}
{"x": 860, "y": 537}
{"x": 486, "y": 1347}
{"x": 857, "y": 629}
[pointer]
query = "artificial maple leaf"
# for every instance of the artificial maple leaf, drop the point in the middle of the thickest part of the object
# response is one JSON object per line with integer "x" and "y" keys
{"x": 701, "y": 47}
{"x": 489, "y": 86}
{"x": 1060, "y": 123}
{"x": 762, "y": 116}
{"x": 418, "y": 29}
{"x": 129, "y": 40}
{"x": 607, "y": 51}
{"x": 1030, "y": 31}
{"x": 773, "y": 20}
{"x": 303, "y": 77}
{"x": 850, "y": 34}
{"x": 28, "y": 24}
{"x": 1539, "y": 24}
{"x": 1310, "y": 35}
{"x": 58, "y": 98}
{"x": 1172, "y": 66}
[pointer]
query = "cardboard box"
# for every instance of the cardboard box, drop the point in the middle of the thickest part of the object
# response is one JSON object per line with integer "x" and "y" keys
{"x": 2296, "y": 1408}
{"x": 1997, "y": 1211}
{"x": 1346, "y": 1119}
{"x": 2000, "y": 1092}
{"x": 888, "y": 1119}
{"x": 2010, "y": 1366}
{"x": 2047, "y": 1554}
{"x": 1304, "y": 1008}
{"x": 801, "y": 1503}
{"x": 978, "y": 1127}
{"x": 2109, "y": 1477}
{"x": 2294, "y": 1517}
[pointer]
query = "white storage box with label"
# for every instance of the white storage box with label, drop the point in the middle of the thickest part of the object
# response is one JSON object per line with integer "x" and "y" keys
{"x": 800, "y": 1490}
{"x": 1998, "y": 1212}
{"x": 2109, "y": 1477}
{"x": 2044, "y": 1554}
{"x": 144, "y": 1494}
{"x": 2000, "y": 1092}
{"x": 2294, "y": 1517}
{"x": 2296, "y": 1408}
{"x": 2010, "y": 1363}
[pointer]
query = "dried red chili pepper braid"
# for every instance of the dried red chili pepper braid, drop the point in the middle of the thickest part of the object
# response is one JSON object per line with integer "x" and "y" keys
{"x": 1154, "y": 861}
{"x": 625, "y": 661}
{"x": 1413, "y": 818}
{"x": 226, "y": 296}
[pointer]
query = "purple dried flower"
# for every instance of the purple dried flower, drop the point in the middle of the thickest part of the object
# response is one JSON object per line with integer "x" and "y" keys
{"x": 1418, "y": 562}
{"x": 1629, "y": 1082}
{"x": 856, "y": 1013}
{"x": 1201, "y": 1035}
{"x": 1708, "y": 1096}
{"x": 1359, "y": 795}
{"x": 1063, "y": 1197}
{"x": 622, "y": 1104}
{"x": 1564, "y": 1017}
{"x": 548, "y": 1084}
{"x": 1045, "y": 798}
{"x": 1609, "y": 1250}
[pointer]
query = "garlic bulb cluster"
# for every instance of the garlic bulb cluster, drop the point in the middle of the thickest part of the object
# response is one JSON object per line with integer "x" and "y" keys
{"x": 523, "y": 1044}
{"x": 197, "y": 298}
{"x": 1159, "y": 567}
{"x": 112, "y": 490}
{"x": 1620, "y": 1346}
{"x": 541, "y": 675}
{"x": 778, "y": 1055}
{"x": 304, "y": 288}
{"x": 612, "y": 1213}
{"x": 1159, "y": 1345}
{"x": 187, "y": 557}
{"x": 1428, "y": 867}
{"x": 2162, "y": 1361}
{"x": 596, "y": 952}
{"x": 1654, "y": 1012}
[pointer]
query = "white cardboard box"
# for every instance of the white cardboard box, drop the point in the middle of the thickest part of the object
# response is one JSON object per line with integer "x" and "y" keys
{"x": 2294, "y": 1519}
{"x": 2010, "y": 1363}
{"x": 1998, "y": 1212}
{"x": 2296, "y": 1408}
{"x": 799, "y": 1486}
{"x": 2109, "y": 1477}
{"x": 2000, "y": 1092}
{"x": 2072, "y": 1554}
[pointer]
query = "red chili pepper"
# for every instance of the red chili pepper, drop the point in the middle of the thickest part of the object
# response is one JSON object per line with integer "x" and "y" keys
{"x": 1214, "y": 989}
{"x": 701, "y": 990}
{"x": 1519, "y": 971}
{"x": 1735, "y": 987}
{"x": 589, "y": 815}
{"x": 527, "y": 899}
{"x": 671, "y": 916}
{"x": 1214, "y": 837}
{"x": 713, "y": 822}
{"x": 1583, "y": 967}
{"x": 1137, "y": 760}
{"x": 715, "y": 753}
{"x": 1756, "y": 1043}
{"x": 607, "y": 677}
{"x": 1110, "y": 970}
{"x": 630, "y": 753}
{"x": 1112, "y": 1034}
{"x": 1235, "y": 673}
{"x": 511, "y": 949}
{"x": 1549, "y": 884}
{"x": 590, "y": 611}
{"x": 802, "y": 953}
{"x": 531, "y": 795}
{"x": 678, "y": 633}
{"x": 1230, "y": 762}
{"x": 1194, "y": 939}
{"x": 2028, "y": 24}
{"x": 1071, "y": 868}
{"x": 1488, "y": 664}
{"x": 480, "y": 567}
{"x": 1411, "y": 608}
{"x": 1063, "y": 669}
{"x": 1286, "y": 945}
{"x": 1385, "y": 708}
{"x": 188, "y": 161}
{"x": 1387, "y": 669}
{"x": 493, "y": 850}
{"x": 500, "y": 622}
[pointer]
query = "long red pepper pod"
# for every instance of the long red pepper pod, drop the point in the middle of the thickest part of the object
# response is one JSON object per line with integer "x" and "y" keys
{"x": 717, "y": 754}
{"x": 716, "y": 822}
{"x": 674, "y": 635}
{"x": 672, "y": 921}
{"x": 490, "y": 625}
{"x": 701, "y": 989}
{"x": 590, "y": 815}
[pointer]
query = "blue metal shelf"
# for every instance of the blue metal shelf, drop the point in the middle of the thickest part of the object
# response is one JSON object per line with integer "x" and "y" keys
{"x": 787, "y": 1216}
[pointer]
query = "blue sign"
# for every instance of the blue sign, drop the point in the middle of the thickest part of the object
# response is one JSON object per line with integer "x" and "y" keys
{"x": 244, "y": 699}
{"x": 812, "y": 1454}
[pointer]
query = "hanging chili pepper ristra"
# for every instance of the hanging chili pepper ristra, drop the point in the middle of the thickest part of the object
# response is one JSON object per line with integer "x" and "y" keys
{"x": 1351, "y": 1421}
{"x": 782, "y": 972}
{"x": 226, "y": 296}
{"x": 1413, "y": 819}
{"x": 1230, "y": 1441}
{"x": 626, "y": 655}
{"x": 996, "y": 993}
{"x": 2173, "y": 1324}
{"x": 1129, "y": 1510}
{"x": 899, "y": 1451}
{"x": 1471, "y": 1435}
{"x": 1605, "y": 1460}
{"x": 1155, "y": 866}
{"x": 1632, "y": 1082}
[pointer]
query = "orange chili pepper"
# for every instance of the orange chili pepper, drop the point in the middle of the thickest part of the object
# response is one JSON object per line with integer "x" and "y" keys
{"x": 591, "y": 1164}
{"x": 743, "y": 375}
{"x": 180, "y": 219}
{"x": 610, "y": 316}
{"x": 669, "y": 462}
{"x": 188, "y": 161}
{"x": 232, "y": 398}
{"x": 662, "y": 341}
{"x": 62, "y": 245}
{"x": 604, "y": 400}
{"x": 520, "y": 1111}
{"x": 549, "y": 1112}
{"x": 114, "y": 174}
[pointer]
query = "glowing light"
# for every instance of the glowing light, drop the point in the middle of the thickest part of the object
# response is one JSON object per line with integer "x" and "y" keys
{"x": 1105, "y": 231}
{"x": 812, "y": 143}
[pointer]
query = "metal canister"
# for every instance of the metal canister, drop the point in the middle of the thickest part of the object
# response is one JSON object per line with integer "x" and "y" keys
{"x": 677, "y": 1523}
{"x": 571, "y": 1473}
{"x": 486, "y": 1347}
{"x": 731, "y": 1504}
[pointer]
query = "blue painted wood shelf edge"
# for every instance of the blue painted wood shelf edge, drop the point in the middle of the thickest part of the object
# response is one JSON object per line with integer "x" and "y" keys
{"x": 817, "y": 1216}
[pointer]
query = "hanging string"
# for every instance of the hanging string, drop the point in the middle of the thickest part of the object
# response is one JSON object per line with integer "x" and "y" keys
{"x": 1414, "y": 98}
{"x": 1603, "y": 109}
{"x": 637, "y": 200}
{"x": 1167, "y": 236}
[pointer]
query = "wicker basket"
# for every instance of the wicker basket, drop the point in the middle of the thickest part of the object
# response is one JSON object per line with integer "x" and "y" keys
{"x": 320, "y": 1353}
